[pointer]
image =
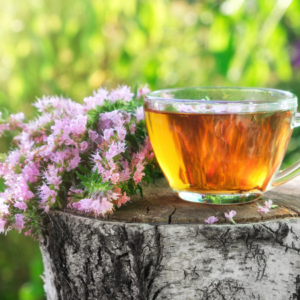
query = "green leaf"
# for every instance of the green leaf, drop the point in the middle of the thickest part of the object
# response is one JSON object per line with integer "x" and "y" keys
{"x": 126, "y": 155}
{"x": 95, "y": 175}
{"x": 132, "y": 140}
{"x": 2, "y": 157}
{"x": 135, "y": 91}
{"x": 141, "y": 190}
{"x": 83, "y": 170}
{"x": 83, "y": 178}
{"x": 80, "y": 186}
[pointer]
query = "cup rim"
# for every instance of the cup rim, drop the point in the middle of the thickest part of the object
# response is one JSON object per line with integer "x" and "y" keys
{"x": 156, "y": 95}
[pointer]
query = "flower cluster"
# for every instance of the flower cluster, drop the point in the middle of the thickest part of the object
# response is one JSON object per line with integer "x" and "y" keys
{"x": 89, "y": 156}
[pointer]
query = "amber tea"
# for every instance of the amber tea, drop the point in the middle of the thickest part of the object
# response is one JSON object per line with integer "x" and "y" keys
{"x": 226, "y": 153}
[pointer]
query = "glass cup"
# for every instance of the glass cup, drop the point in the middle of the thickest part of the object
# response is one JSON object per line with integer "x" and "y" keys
{"x": 222, "y": 145}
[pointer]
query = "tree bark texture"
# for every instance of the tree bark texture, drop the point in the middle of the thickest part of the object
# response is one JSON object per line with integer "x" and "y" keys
{"x": 88, "y": 258}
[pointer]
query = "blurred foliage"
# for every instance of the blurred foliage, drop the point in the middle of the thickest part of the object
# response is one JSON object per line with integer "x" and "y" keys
{"x": 72, "y": 47}
{"x": 20, "y": 268}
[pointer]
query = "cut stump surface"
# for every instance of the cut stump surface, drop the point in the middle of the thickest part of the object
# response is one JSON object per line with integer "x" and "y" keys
{"x": 162, "y": 206}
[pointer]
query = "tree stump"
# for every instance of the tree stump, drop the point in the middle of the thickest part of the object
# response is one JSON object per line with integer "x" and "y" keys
{"x": 161, "y": 248}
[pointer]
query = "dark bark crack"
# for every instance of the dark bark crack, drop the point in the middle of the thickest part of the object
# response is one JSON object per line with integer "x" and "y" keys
{"x": 170, "y": 216}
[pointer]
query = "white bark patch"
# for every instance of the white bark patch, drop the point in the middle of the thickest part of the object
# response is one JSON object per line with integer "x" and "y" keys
{"x": 48, "y": 276}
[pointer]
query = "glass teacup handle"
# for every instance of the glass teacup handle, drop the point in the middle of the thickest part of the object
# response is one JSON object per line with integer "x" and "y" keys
{"x": 294, "y": 170}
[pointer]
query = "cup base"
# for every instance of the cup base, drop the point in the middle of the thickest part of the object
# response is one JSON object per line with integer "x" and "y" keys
{"x": 218, "y": 199}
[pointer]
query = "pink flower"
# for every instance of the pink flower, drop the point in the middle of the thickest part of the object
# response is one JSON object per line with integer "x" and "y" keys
{"x": 78, "y": 124}
{"x": 121, "y": 93}
{"x": 269, "y": 204}
{"x": 31, "y": 172}
{"x": 99, "y": 206}
{"x": 115, "y": 178}
{"x": 121, "y": 147}
{"x": 60, "y": 156}
{"x": 83, "y": 146}
{"x": 106, "y": 174}
{"x": 83, "y": 205}
{"x": 126, "y": 117}
{"x": 138, "y": 175}
{"x": 121, "y": 133}
{"x": 117, "y": 119}
{"x": 123, "y": 199}
{"x": 139, "y": 114}
{"x": 230, "y": 216}
{"x": 139, "y": 166}
{"x": 46, "y": 103}
{"x": 112, "y": 152}
{"x": 112, "y": 196}
{"x": 3, "y": 207}
{"x": 74, "y": 161}
{"x": 96, "y": 157}
{"x": 93, "y": 135}
{"x": 18, "y": 117}
{"x": 125, "y": 175}
{"x": 142, "y": 91}
{"x": 2, "y": 225}
{"x": 108, "y": 133}
{"x": 52, "y": 177}
{"x": 14, "y": 157}
{"x": 21, "y": 205}
{"x": 101, "y": 94}
{"x": 113, "y": 116}
{"x": 21, "y": 189}
{"x": 112, "y": 165}
{"x": 19, "y": 223}
{"x": 211, "y": 220}
{"x": 92, "y": 101}
{"x": 132, "y": 128}
{"x": 3, "y": 127}
{"x": 61, "y": 126}
{"x": 150, "y": 156}
{"x": 47, "y": 194}
{"x": 46, "y": 208}
{"x": 263, "y": 209}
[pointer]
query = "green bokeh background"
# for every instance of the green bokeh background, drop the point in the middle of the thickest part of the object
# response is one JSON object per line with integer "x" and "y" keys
{"x": 72, "y": 47}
